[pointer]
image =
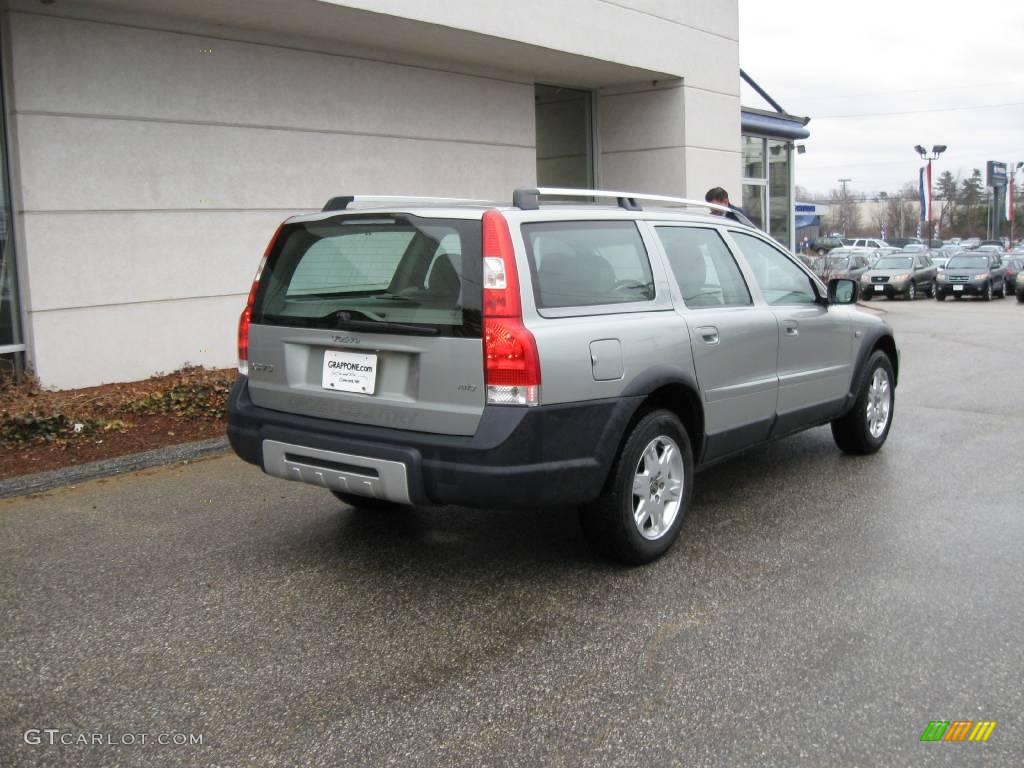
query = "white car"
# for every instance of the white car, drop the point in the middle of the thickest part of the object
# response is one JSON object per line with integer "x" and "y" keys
{"x": 869, "y": 242}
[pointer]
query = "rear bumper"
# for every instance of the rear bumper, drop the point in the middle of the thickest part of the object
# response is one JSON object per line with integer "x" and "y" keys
{"x": 548, "y": 455}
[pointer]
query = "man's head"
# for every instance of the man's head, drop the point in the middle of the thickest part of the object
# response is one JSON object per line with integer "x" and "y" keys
{"x": 718, "y": 196}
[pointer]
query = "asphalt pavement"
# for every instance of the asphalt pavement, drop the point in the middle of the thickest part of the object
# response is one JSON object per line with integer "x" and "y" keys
{"x": 819, "y": 610}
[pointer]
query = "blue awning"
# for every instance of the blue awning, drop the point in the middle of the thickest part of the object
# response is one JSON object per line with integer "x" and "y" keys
{"x": 776, "y": 127}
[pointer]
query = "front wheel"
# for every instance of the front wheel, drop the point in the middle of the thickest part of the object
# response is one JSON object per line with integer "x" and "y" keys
{"x": 864, "y": 429}
{"x": 988, "y": 292}
{"x": 1020, "y": 297}
{"x": 1002, "y": 291}
{"x": 931, "y": 292}
{"x": 940, "y": 296}
{"x": 911, "y": 292}
{"x": 640, "y": 512}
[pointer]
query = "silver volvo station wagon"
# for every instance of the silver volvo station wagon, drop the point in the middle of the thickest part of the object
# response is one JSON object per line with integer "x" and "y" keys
{"x": 410, "y": 351}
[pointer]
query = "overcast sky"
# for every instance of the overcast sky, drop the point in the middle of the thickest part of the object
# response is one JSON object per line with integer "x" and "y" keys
{"x": 850, "y": 66}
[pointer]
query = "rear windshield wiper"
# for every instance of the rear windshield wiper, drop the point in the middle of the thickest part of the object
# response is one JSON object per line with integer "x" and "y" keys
{"x": 395, "y": 297}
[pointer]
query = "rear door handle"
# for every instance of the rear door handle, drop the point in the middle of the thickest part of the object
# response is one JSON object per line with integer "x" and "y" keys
{"x": 708, "y": 334}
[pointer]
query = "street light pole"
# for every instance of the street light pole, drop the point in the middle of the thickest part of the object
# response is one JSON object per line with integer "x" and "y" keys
{"x": 937, "y": 149}
{"x": 842, "y": 207}
{"x": 1014, "y": 167}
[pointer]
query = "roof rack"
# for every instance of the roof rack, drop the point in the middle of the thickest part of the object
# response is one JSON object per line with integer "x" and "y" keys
{"x": 342, "y": 202}
{"x": 528, "y": 199}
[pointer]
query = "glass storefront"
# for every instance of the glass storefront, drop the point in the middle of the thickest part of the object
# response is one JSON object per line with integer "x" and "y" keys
{"x": 767, "y": 185}
{"x": 11, "y": 349}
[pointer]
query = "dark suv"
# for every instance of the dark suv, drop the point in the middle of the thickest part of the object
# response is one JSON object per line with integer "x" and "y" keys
{"x": 972, "y": 274}
{"x": 495, "y": 355}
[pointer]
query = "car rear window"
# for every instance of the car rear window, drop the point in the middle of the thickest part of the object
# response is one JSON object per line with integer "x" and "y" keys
{"x": 587, "y": 263}
{"x": 397, "y": 272}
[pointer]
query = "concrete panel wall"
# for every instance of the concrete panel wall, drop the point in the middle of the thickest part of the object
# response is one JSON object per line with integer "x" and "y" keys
{"x": 114, "y": 343}
{"x": 690, "y": 39}
{"x": 152, "y": 173}
{"x": 669, "y": 139}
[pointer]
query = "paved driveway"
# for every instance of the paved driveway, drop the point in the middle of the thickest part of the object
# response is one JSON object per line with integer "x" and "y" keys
{"x": 820, "y": 610}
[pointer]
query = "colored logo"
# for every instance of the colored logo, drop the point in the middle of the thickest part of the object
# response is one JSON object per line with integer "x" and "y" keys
{"x": 958, "y": 730}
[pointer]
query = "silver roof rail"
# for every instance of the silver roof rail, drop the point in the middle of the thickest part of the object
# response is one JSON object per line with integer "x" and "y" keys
{"x": 342, "y": 202}
{"x": 528, "y": 199}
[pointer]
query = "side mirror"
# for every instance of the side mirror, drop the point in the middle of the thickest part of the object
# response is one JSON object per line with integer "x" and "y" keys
{"x": 842, "y": 291}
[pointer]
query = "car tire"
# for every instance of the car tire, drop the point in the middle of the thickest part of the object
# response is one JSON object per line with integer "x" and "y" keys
{"x": 865, "y": 297}
{"x": 1002, "y": 291}
{"x": 865, "y": 427}
{"x": 369, "y": 503}
{"x": 636, "y": 528}
{"x": 930, "y": 293}
{"x": 911, "y": 292}
{"x": 988, "y": 292}
{"x": 1020, "y": 297}
{"x": 940, "y": 296}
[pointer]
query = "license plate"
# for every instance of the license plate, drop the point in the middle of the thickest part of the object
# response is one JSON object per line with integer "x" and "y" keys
{"x": 349, "y": 372}
{"x": 958, "y": 287}
{"x": 879, "y": 287}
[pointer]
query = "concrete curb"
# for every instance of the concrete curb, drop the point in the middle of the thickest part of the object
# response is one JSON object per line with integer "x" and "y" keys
{"x": 44, "y": 481}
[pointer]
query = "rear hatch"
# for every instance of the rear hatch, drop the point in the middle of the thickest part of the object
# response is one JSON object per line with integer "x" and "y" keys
{"x": 374, "y": 319}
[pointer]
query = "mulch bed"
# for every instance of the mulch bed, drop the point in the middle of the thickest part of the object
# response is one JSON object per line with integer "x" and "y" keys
{"x": 42, "y": 430}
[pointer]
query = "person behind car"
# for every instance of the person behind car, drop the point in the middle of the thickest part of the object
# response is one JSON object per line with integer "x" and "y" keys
{"x": 719, "y": 196}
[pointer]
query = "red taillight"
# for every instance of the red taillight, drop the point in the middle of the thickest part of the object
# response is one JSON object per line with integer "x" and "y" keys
{"x": 246, "y": 317}
{"x": 511, "y": 362}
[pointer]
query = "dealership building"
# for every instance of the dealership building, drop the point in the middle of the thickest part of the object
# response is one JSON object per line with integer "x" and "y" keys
{"x": 151, "y": 148}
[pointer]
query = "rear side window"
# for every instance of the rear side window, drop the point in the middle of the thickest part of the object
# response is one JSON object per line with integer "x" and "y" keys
{"x": 586, "y": 263}
{"x": 704, "y": 269}
{"x": 401, "y": 273}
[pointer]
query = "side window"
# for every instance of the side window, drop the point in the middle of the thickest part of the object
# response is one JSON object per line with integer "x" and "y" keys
{"x": 780, "y": 280}
{"x": 585, "y": 263}
{"x": 704, "y": 268}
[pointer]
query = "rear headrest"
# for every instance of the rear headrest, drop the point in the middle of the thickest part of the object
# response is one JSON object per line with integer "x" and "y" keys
{"x": 569, "y": 279}
{"x": 443, "y": 281}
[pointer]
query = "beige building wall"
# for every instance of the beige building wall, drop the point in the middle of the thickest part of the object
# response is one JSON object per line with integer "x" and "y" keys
{"x": 155, "y": 147}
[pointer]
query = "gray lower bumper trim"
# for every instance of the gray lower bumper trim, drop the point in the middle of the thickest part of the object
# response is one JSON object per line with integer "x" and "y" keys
{"x": 344, "y": 472}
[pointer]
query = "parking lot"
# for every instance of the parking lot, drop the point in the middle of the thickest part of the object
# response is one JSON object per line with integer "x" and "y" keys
{"x": 819, "y": 609}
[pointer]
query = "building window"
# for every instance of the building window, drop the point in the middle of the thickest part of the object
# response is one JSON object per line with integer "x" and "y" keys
{"x": 767, "y": 184}
{"x": 11, "y": 348}
{"x": 565, "y": 137}
{"x": 779, "y": 165}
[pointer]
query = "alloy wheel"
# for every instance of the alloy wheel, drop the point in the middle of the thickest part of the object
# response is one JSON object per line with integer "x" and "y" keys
{"x": 879, "y": 403}
{"x": 657, "y": 487}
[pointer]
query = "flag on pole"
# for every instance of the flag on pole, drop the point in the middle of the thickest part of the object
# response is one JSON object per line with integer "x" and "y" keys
{"x": 922, "y": 195}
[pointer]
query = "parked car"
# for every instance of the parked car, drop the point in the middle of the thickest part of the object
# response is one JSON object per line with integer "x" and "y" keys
{"x": 972, "y": 274}
{"x": 843, "y": 262}
{"x": 524, "y": 355}
{"x": 899, "y": 274}
{"x": 941, "y": 256}
{"x": 823, "y": 245}
{"x": 902, "y": 242}
{"x": 1013, "y": 267}
{"x": 996, "y": 250}
{"x": 868, "y": 242}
